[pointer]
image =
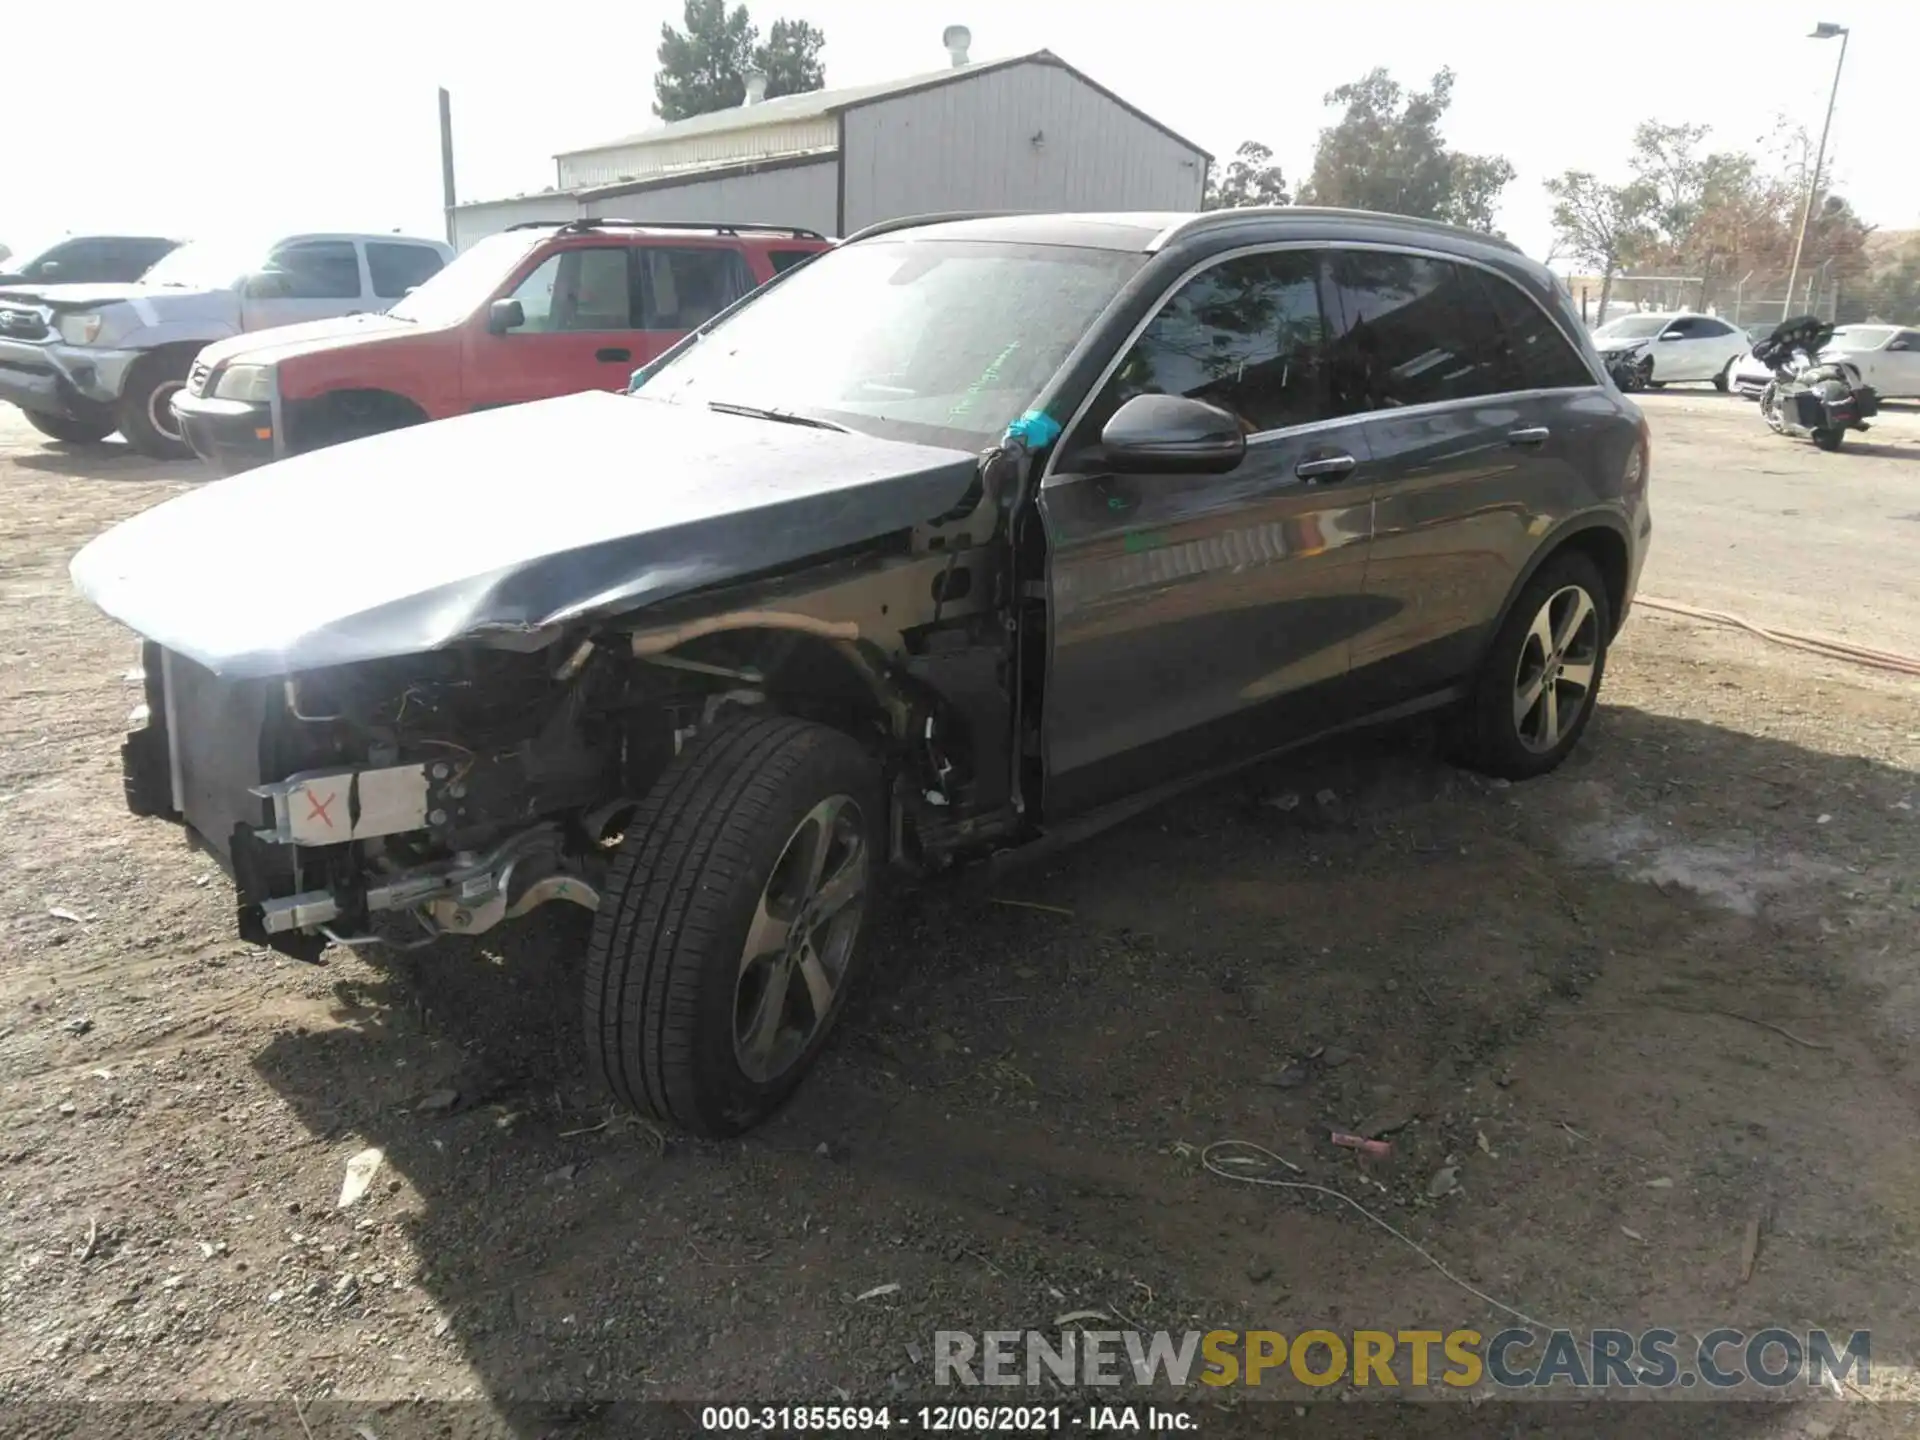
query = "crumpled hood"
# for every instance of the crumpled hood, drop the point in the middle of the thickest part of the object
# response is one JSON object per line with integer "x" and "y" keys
{"x": 288, "y": 342}
{"x": 154, "y": 304}
{"x": 511, "y": 519}
{"x": 1611, "y": 345}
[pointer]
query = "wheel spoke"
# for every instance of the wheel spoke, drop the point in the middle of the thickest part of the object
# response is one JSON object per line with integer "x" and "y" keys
{"x": 819, "y": 835}
{"x": 1579, "y": 674}
{"x": 844, "y": 886}
{"x": 1549, "y": 717}
{"x": 1577, "y": 614}
{"x": 1525, "y": 698}
{"x": 819, "y": 983}
{"x": 764, "y": 1033}
{"x": 1541, "y": 633}
{"x": 767, "y": 935}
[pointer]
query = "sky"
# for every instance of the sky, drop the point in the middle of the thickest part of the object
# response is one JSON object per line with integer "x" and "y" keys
{"x": 217, "y": 116}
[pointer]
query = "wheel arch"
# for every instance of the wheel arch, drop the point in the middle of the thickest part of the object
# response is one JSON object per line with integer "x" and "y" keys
{"x": 355, "y": 410}
{"x": 1603, "y": 537}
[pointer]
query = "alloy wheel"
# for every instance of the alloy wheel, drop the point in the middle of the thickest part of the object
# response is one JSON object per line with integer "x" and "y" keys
{"x": 160, "y": 410}
{"x": 1553, "y": 682}
{"x": 800, "y": 939}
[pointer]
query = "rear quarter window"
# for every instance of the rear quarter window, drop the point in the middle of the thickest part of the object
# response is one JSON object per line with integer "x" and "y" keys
{"x": 1541, "y": 355}
{"x": 397, "y": 268}
{"x": 784, "y": 260}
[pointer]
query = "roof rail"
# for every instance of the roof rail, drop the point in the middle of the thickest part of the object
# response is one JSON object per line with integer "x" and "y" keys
{"x": 1207, "y": 220}
{"x": 913, "y": 222}
{"x": 717, "y": 227}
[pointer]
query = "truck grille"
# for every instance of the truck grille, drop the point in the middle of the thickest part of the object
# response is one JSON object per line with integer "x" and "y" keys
{"x": 18, "y": 324}
{"x": 198, "y": 377}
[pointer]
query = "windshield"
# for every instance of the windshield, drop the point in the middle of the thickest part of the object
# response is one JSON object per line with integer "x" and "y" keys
{"x": 208, "y": 264}
{"x": 467, "y": 281}
{"x": 943, "y": 342}
{"x": 1860, "y": 337}
{"x": 1631, "y": 327}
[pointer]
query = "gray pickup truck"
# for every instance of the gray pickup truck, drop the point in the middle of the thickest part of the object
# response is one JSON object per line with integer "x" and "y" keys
{"x": 86, "y": 360}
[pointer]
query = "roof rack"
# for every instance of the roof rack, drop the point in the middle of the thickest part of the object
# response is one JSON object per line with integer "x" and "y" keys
{"x": 1226, "y": 219}
{"x": 913, "y": 222}
{"x": 717, "y": 227}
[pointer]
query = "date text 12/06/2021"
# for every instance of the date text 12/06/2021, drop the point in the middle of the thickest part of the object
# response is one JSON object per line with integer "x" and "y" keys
{"x": 949, "y": 1419}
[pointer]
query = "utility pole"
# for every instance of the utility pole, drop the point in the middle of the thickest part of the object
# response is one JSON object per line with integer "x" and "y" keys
{"x": 446, "y": 160}
{"x": 1825, "y": 30}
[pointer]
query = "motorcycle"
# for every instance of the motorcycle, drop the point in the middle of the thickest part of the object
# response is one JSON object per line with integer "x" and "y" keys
{"x": 1809, "y": 398}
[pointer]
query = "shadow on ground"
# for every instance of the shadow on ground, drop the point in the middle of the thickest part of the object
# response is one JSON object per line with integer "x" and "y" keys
{"x": 111, "y": 459}
{"x": 1563, "y": 991}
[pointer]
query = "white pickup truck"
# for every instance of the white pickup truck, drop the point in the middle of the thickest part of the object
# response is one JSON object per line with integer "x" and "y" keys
{"x": 86, "y": 360}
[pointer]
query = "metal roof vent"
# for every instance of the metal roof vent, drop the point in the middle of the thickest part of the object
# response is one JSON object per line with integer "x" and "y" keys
{"x": 756, "y": 86}
{"x": 957, "y": 38}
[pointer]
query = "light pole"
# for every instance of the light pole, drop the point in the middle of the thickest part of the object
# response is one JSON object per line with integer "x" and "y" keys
{"x": 1825, "y": 30}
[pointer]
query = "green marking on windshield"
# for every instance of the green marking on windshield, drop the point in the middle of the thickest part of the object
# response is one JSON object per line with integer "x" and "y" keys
{"x": 964, "y": 405}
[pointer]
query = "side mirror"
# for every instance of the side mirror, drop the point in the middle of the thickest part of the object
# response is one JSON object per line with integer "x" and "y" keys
{"x": 505, "y": 315}
{"x": 1898, "y": 345}
{"x": 264, "y": 285}
{"x": 1673, "y": 335}
{"x": 1173, "y": 435}
{"x": 49, "y": 269}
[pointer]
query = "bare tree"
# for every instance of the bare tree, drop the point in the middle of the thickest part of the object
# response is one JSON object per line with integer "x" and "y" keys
{"x": 1602, "y": 225}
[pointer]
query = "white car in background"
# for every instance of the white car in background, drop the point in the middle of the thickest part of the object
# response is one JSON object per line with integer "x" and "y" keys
{"x": 1887, "y": 357}
{"x": 1674, "y": 347}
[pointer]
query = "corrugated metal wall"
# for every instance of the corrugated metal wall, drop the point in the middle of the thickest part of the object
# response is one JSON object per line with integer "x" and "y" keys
{"x": 476, "y": 222}
{"x": 972, "y": 145}
{"x": 637, "y": 162}
{"x": 802, "y": 195}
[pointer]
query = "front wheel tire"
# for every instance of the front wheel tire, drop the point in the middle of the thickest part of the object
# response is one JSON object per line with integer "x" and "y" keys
{"x": 71, "y": 432}
{"x": 145, "y": 413}
{"x": 733, "y": 922}
{"x": 1541, "y": 680}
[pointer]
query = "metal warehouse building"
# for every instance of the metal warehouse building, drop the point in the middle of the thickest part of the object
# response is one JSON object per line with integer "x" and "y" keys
{"x": 1026, "y": 133}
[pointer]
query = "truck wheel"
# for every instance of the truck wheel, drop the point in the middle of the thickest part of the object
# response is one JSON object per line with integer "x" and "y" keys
{"x": 73, "y": 432}
{"x": 1538, "y": 686}
{"x": 145, "y": 413}
{"x": 733, "y": 922}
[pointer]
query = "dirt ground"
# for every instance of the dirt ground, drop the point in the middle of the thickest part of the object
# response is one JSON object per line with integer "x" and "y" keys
{"x": 1667, "y": 992}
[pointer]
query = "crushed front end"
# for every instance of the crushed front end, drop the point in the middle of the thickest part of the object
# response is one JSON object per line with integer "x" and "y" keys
{"x": 397, "y": 799}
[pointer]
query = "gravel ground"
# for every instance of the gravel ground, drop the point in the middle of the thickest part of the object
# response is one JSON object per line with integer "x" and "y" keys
{"x": 1634, "y": 1008}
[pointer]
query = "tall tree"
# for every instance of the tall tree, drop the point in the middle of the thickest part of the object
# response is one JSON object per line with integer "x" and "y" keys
{"x": 1602, "y": 225}
{"x": 703, "y": 67}
{"x": 790, "y": 58}
{"x": 1666, "y": 158}
{"x": 1386, "y": 153}
{"x": 1251, "y": 178}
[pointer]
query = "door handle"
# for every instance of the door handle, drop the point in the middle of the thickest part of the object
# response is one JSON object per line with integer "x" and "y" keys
{"x": 1327, "y": 467}
{"x": 1532, "y": 435}
{"x": 613, "y": 354}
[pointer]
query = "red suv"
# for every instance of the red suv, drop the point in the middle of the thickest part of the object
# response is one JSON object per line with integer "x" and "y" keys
{"x": 542, "y": 309}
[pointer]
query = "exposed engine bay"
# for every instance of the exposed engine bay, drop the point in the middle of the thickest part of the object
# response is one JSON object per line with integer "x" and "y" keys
{"x": 398, "y": 800}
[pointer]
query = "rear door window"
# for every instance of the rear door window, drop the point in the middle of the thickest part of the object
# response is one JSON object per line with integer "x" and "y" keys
{"x": 1539, "y": 353}
{"x": 396, "y": 268}
{"x": 683, "y": 287}
{"x": 1412, "y": 330}
{"x": 318, "y": 270}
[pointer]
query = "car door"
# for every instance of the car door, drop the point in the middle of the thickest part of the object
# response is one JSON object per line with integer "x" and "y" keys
{"x": 1717, "y": 345}
{"x": 304, "y": 280}
{"x": 1195, "y": 620}
{"x": 1896, "y": 372}
{"x": 1464, "y": 381}
{"x": 684, "y": 286}
{"x": 1676, "y": 352}
{"x": 580, "y": 329}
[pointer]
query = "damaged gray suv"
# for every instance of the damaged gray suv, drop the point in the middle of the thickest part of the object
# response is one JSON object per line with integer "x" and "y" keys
{"x": 967, "y": 531}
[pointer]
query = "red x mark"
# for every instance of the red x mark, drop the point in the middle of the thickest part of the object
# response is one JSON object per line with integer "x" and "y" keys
{"x": 320, "y": 807}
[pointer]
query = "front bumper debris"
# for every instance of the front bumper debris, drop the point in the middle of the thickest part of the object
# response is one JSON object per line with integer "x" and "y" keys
{"x": 54, "y": 378}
